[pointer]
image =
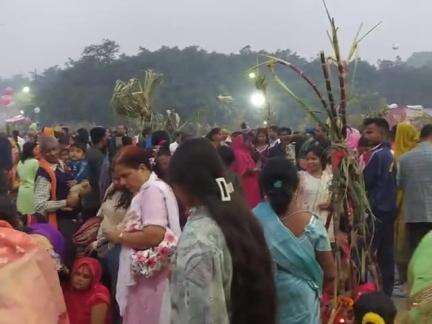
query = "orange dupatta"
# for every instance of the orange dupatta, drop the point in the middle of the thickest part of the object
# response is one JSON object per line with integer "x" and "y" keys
{"x": 44, "y": 164}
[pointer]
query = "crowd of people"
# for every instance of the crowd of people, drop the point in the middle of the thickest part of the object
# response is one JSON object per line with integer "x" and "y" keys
{"x": 102, "y": 227}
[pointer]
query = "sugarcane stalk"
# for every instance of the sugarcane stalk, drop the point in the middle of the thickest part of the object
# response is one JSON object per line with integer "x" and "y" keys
{"x": 341, "y": 76}
{"x": 332, "y": 109}
{"x": 302, "y": 75}
{"x": 301, "y": 102}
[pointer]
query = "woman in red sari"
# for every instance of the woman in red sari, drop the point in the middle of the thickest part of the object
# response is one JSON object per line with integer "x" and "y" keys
{"x": 246, "y": 168}
{"x": 87, "y": 300}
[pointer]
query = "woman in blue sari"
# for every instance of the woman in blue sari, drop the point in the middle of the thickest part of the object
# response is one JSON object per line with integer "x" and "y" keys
{"x": 298, "y": 242}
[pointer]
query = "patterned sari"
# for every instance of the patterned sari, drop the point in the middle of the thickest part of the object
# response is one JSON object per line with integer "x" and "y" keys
{"x": 298, "y": 275}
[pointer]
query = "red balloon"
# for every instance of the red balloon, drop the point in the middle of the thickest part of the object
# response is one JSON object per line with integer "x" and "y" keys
{"x": 8, "y": 91}
{"x": 5, "y": 100}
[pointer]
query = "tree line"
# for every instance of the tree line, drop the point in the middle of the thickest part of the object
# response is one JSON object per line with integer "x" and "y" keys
{"x": 194, "y": 78}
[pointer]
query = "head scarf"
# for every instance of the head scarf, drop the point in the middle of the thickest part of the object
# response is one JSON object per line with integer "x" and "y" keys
{"x": 54, "y": 236}
{"x": 406, "y": 139}
{"x": 80, "y": 302}
{"x": 94, "y": 267}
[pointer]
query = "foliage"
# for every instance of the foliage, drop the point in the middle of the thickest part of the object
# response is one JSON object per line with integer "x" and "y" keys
{"x": 193, "y": 79}
{"x": 351, "y": 212}
{"x": 420, "y": 59}
{"x": 134, "y": 98}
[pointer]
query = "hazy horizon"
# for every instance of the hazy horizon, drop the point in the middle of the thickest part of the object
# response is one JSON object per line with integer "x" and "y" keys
{"x": 37, "y": 34}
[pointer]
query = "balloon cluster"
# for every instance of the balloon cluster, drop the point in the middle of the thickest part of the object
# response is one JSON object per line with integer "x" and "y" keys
{"x": 6, "y": 97}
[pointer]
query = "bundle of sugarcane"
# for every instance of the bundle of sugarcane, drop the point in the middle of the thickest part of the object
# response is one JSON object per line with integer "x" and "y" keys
{"x": 350, "y": 208}
{"x": 134, "y": 98}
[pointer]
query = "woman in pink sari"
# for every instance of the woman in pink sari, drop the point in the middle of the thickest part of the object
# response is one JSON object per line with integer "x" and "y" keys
{"x": 246, "y": 168}
{"x": 30, "y": 290}
{"x": 142, "y": 287}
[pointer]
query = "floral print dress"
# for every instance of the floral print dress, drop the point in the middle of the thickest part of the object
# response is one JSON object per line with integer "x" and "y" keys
{"x": 202, "y": 274}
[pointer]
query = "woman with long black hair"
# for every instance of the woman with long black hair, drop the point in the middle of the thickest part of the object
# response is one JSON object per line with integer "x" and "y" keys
{"x": 299, "y": 244}
{"x": 223, "y": 269}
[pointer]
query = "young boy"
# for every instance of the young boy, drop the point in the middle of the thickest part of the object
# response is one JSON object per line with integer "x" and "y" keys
{"x": 380, "y": 182}
{"x": 78, "y": 164}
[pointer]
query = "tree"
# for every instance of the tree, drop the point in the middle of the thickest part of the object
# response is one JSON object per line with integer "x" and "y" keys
{"x": 193, "y": 79}
{"x": 104, "y": 53}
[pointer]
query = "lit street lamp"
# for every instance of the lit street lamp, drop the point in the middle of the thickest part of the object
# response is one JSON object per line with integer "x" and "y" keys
{"x": 26, "y": 89}
{"x": 257, "y": 99}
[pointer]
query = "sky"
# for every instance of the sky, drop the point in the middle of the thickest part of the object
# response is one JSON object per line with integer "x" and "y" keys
{"x": 37, "y": 34}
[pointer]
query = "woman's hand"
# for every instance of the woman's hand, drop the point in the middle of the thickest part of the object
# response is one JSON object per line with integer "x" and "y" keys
{"x": 113, "y": 235}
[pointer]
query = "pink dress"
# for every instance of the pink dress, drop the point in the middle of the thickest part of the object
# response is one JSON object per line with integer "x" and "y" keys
{"x": 146, "y": 300}
{"x": 242, "y": 165}
{"x": 30, "y": 290}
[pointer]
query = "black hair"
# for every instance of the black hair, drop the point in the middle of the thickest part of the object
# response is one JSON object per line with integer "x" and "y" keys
{"x": 316, "y": 148}
{"x": 159, "y": 137}
{"x": 27, "y": 152}
{"x": 82, "y": 136}
{"x": 127, "y": 140}
{"x": 376, "y": 302}
{"x": 426, "y": 131}
{"x": 378, "y": 121}
{"x": 212, "y": 133}
{"x": 80, "y": 146}
{"x": 194, "y": 166}
{"x": 284, "y": 130}
{"x": 15, "y": 134}
{"x": 157, "y": 169}
{"x": 274, "y": 128}
{"x": 97, "y": 134}
{"x": 279, "y": 181}
{"x": 227, "y": 155}
{"x": 124, "y": 200}
{"x": 8, "y": 211}
{"x": 5, "y": 153}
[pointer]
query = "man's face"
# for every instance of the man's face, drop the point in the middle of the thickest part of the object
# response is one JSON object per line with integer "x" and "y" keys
{"x": 285, "y": 137}
{"x": 104, "y": 141}
{"x": 51, "y": 154}
{"x": 373, "y": 134}
{"x": 272, "y": 134}
{"x": 319, "y": 133}
{"x": 120, "y": 130}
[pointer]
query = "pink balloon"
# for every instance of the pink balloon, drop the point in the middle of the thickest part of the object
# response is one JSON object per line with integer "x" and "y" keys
{"x": 5, "y": 100}
{"x": 8, "y": 91}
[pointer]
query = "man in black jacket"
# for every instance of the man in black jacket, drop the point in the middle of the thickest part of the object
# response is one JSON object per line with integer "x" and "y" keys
{"x": 286, "y": 148}
{"x": 98, "y": 161}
